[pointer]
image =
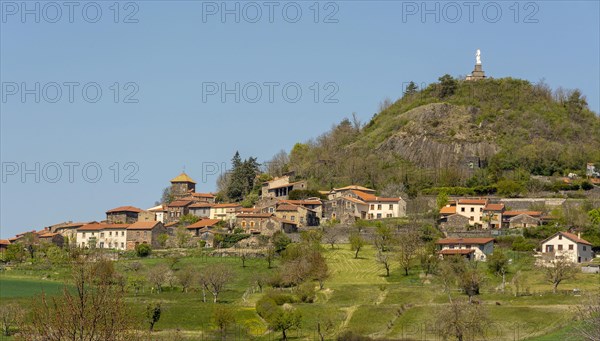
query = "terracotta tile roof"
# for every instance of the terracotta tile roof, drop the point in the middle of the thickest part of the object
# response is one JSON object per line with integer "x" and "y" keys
{"x": 355, "y": 187}
{"x": 456, "y": 251}
{"x": 102, "y": 226}
{"x": 472, "y": 201}
{"x": 248, "y": 210}
{"x": 13, "y": 239}
{"x": 303, "y": 202}
{"x": 180, "y": 203}
{"x": 4, "y": 242}
{"x": 254, "y": 215}
{"x": 143, "y": 225}
{"x": 182, "y": 178}
{"x": 285, "y": 221}
{"x": 227, "y": 205}
{"x": 372, "y": 198}
{"x": 71, "y": 225}
{"x": 49, "y": 235}
{"x": 203, "y": 195}
{"x": 354, "y": 200}
{"x": 287, "y": 208}
{"x": 570, "y": 236}
{"x": 203, "y": 223}
{"x": 448, "y": 210}
{"x": 171, "y": 224}
{"x": 516, "y": 213}
{"x": 125, "y": 209}
{"x": 494, "y": 207}
{"x": 286, "y": 185}
{"x": 201, "y": 205}
{"x": 464, "y": 241}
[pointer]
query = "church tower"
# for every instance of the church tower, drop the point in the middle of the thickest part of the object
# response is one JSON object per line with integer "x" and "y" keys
{"x": 182, "y": 185}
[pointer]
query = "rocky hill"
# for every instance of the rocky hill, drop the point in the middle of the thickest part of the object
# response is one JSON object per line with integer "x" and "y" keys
{"x": 454, "y": 131}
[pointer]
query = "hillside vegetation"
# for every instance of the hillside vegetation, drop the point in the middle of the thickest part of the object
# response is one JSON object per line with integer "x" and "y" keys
{"x": 457, "y": 133}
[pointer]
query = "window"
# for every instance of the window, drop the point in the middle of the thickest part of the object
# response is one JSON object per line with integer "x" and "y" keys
{"x": 122, "y": 233}
{"x": 272, "y": 209}
{"x": 481, "y": 209}
{"x": 471, "y": 218}
{"x": 122, "y": 245}
{"x": 462, "y": 209}
{"x": 570, "y": 246}
{"x": 378, "y": 215}
{"x": 372, "y": 206}
{"x": 243, "y": 223}
{"x": 110, "y": 233}
{"x": 389, "y": 215}
{"x": 379, "y": 207}
{"x": 560, "y": 247}
{"x": 472, "y": 209}
{"x": 293, "y": 218}
{"x": 584, "y": 248}
{"x": 251, "y": 224}
{"x": 560, "y": 237}
{"x": 101, "y": 234}
{"x": 391, "y": 206}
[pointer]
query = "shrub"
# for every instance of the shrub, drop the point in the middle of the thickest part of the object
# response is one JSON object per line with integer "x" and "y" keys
{"x": 143, "y": 250}
{"x": 306, "y": 292}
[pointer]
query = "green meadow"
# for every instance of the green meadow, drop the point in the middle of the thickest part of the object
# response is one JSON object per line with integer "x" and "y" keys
{"x": 357, "y": 297}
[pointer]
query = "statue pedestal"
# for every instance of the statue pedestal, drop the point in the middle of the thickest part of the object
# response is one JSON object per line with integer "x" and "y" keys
{"x": 477, "y": 73}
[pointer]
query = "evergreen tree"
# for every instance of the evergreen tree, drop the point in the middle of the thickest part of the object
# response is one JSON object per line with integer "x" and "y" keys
{"x": 411, "y": 89}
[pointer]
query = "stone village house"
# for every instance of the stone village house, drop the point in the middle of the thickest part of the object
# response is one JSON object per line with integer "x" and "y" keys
{"x": 470, "y": 248}
{"x": 144, "y": 232}
{"x": 102, "y": 235}
{"x": 128, "y": 215}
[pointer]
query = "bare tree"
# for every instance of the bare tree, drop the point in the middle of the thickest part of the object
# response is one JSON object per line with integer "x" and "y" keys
{"x": 589, "y": 314}
{"x": 11, "y": 314}
{"x": 270, "y": 255}
{"x": 408, "y": 245}
{"x": 157, "y": 276}
{"x": 557, "y": 268}
{"x": 215, "y": 277}
{"x": 93, "y": 311}
{"x": 462, "y": 320}
{"x": 185, "y": 277}
{"x": 332, "y": 235}
{"x": 278, "y": 164}
{"x": 385, "y": 259}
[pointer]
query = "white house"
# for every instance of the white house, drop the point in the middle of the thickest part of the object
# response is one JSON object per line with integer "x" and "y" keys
{"x": 225, "y": 211}
{"x": 379, "y": 207}
{"x": 160, "y": 213}
{"x": 472, "y": 209}
{"x": 569, "y": 245}
{"x": 103, "y": 236}
{"x": 471, "y": 248}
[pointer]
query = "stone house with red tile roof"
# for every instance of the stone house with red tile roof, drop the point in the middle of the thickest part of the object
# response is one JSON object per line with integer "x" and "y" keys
{"x": 201, "y": 209}
{"x": 280, "y": 187}
{"x": 177, "y": 209}
{"x": 202, "y": 224}
{"x": 144, "y": 232}
{"x": 122, "y": 215}
{"x": 52, "y": 238}
{"x": 182, "y": 186}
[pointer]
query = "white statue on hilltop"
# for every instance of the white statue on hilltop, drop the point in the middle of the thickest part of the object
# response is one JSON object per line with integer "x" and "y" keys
{"x": 478, "y": 57}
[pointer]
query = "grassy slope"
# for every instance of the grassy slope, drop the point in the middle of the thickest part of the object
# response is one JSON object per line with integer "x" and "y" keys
{"x": 357, "y": 297}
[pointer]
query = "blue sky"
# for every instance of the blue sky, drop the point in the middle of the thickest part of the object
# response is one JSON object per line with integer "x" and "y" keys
{"x": 169, "y": 56}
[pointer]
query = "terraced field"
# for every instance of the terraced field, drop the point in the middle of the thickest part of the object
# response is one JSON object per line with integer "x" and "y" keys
{"x": 357, "y": 297}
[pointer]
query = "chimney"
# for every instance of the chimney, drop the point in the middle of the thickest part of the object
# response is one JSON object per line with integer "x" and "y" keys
{"x": 579, "y": 235}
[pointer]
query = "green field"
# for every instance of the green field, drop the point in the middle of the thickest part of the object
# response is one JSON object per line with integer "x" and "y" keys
{"x": 357, "y": 297}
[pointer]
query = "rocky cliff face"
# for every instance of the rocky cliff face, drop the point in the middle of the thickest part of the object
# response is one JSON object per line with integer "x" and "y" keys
{"x": 441, "y": 135}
